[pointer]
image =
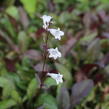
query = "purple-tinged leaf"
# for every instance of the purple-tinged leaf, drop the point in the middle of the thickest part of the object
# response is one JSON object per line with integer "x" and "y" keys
{"x": 23, "y": 18}
{"x": 105, "y": 34}
{"x": 87, "y": 20}
{"x": 81, "y": 90}
{"x": 63, "y": 98}
{"x": 104, "y": 61}
{"x": 38, "y": 67}
{"x": 41, "y": 107}
{"x": 33, "y": 54}
{"x": 102, "y": 16}
{"x": 66, "y": 48}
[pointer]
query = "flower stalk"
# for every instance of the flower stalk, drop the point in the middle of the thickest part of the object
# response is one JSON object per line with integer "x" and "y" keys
{"x": 45, "y": 52}
{"x": 53, "y": 52}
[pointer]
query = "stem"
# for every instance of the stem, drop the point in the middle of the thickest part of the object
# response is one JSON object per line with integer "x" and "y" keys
{"x": 45, "y": 52}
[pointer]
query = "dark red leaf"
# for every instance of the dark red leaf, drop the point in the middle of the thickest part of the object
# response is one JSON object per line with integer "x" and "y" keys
{"x": 39, "y": 32}
{"x": 88, "y": 67}
{"x": 84, "y": 72}
{"x": 70, "y": 9}
{"x": 98, "y": 78}
{"x": 79, "y": 76}
{"x": 10, "y": 65}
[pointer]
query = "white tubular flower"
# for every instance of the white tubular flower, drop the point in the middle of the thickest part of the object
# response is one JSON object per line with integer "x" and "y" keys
{"x": 46, "y": 21}
{"x": 56, "y": 33}
{"x": 58, "y": 77}
{"x": 54, "y": 53}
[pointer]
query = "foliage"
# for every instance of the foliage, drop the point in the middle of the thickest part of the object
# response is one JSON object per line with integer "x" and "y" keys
{"x": 85, "y": 62}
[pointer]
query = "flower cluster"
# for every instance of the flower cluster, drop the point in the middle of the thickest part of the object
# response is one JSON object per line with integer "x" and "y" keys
{"x": 53, "y": 52}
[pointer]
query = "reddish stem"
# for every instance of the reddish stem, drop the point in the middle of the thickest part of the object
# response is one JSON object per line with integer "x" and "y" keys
{"x": 45, "y": 53}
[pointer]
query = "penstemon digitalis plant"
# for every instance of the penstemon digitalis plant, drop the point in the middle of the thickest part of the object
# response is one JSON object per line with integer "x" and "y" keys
{"x": 53, "y": 53}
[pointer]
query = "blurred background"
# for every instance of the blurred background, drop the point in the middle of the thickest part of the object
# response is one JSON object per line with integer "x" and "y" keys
{"x": 85, "y": 54}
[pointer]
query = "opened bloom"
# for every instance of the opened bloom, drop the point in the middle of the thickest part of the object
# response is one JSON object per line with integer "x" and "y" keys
{"x": 58, "y": 77}
{"x": 46, "y": 21}
{"x": 54, "y": 53}
{"x": 56, "y": 33}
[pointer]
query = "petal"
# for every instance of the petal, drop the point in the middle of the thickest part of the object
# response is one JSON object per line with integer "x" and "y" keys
{"x": 57, "y": 81}
{"x": 61, "y": 33}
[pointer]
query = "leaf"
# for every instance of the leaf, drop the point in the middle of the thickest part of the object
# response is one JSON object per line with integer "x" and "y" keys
{"x": 104, "y": 1}
{"x": 12, "y": 11}
{"x": 50, "y": 82}
{"x": 6, "y": 104}
{"x": 23, "y": 41}
{"x": 81, "y": 90}
{"x": 87, "y": 19}
{"x": 47, "y": 101}
{"x": 7, "y": 86}
{"x": 93, "y": 51}
{"x": 15, "y": 95}
{"x": 59, "y": 1}
{"x": 33, "y": 87}
{"x": 38, "y": 67}
{"x": 23, "y": 17}
{"x": 10, "y": 64}
{"x": 33, "y": 54}
{"x": 88, "y": 67}
{"x": 104, "y": 61}
{"x": 88, "y": 38}
{"x": 30, "y": 7}
{"x": 102, "y": 15}
{"x": 5, "y": 22}
{"x": 66, "y": 48}
{"x": 66, "y": 74}
{"x": 63, "y": 98}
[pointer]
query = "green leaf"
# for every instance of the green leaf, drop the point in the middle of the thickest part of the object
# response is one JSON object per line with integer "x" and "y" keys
{"x": 7, "y": 86}
{"x": 50, "y": 82}
{"x": 66, "y": 74}
{"x": 33, "y": 87}
{"x": 12, "y": 11}
{"x": 5, "y": 22}
{"x": 30, "y": 6}
{"x": 104, "y": 1}
{"x": 88, "y": 38}
{"x": 47, "y": 101}
{"x": 59, "y": 1}
{"x": 15, "y": 95}
{"x": 93, "y": 51}
{"x": 23, "y": 41}
{"x": 6, "y": 104}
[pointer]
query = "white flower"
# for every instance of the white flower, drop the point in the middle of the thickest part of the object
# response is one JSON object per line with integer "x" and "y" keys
{"x": 54, "y": 53}
{"x": 56, "y": 33}
{"x": 46, "y": 21}
{"x": 57, "y": 77}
